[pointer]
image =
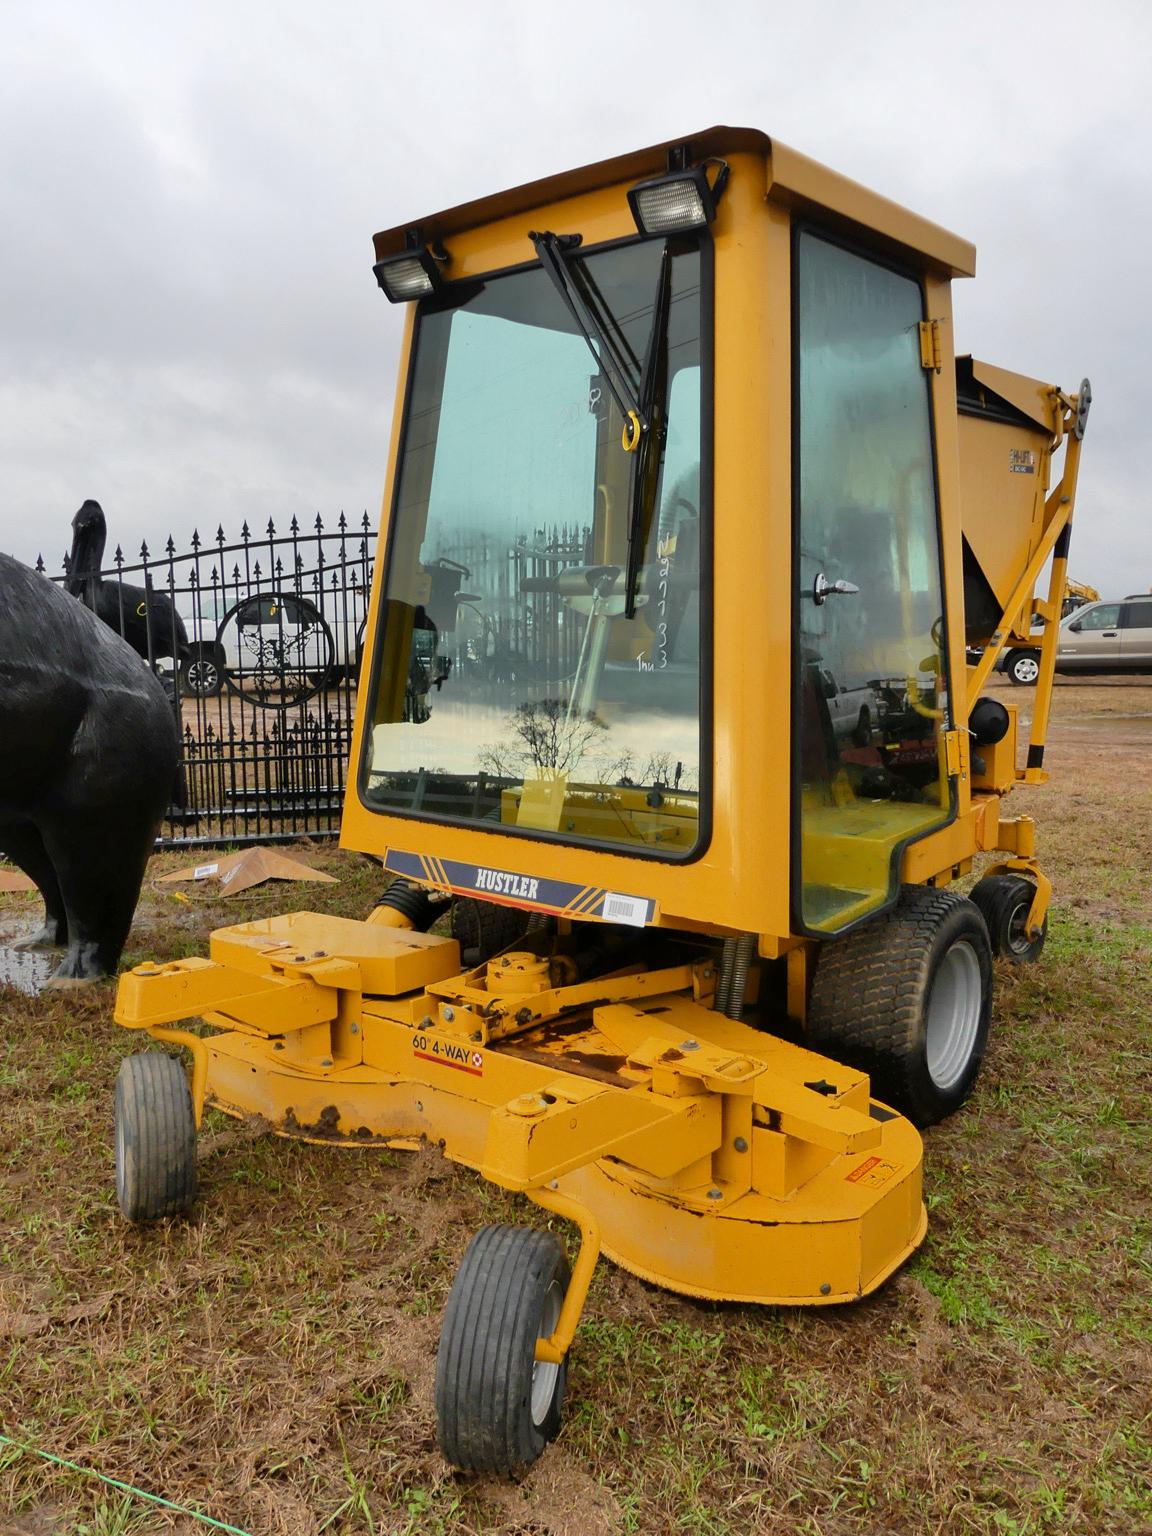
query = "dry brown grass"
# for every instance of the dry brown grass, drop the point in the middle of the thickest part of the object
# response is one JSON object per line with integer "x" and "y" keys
{"x": 270, "y": 1360}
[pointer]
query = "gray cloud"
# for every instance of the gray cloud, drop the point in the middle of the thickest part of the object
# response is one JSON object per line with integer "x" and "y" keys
{"x": 189, "y": 330}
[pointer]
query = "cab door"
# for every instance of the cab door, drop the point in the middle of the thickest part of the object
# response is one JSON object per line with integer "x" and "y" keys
{"x": 869, "y": 683}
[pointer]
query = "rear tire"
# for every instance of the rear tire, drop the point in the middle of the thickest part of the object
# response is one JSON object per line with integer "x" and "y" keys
{"x": 907, "y": 998}
{"x": 484, "y": 928}
{"x": 1005, "y": 901}
{"x": 1023, "y": 667}
{"x": 497, "y": 1407}
{"x": 155, "y": 1138}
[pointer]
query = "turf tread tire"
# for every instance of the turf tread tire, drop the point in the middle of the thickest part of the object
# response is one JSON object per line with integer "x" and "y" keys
{"x": 870, "y": 992}
{"x": 484, "y": 1362}
{"x": 484, "y": 928}
{"x": 999, "y": 898}
{"x": 155, "y": 1138}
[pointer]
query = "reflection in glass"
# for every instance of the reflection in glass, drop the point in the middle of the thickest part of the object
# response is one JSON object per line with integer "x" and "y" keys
{"x": 513, "y": 686}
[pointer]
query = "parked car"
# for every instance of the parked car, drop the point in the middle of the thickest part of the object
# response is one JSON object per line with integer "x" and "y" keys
{"x": 1098, "y": 637}
{"x": 271, "y": 647}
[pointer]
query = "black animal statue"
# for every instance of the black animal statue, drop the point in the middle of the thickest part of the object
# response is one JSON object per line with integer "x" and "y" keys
{"x": 130, "y": 610}
{"x": 88, "y": 759}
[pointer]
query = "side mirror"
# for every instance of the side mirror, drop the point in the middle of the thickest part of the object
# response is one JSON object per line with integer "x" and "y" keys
{"x": 1076, "y": 626}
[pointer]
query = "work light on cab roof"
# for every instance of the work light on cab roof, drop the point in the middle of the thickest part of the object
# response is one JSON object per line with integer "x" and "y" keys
{"x": 413, "y": 274}
{"x": 685, "y": 199}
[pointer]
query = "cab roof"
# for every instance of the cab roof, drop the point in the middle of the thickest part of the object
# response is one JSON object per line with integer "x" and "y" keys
{"x": 791, "y": 178}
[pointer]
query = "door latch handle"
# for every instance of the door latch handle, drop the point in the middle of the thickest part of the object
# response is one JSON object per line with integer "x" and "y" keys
{"x": 822, "y": 588}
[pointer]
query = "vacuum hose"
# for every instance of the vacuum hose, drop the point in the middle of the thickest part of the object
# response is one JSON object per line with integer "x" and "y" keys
{"x": 413, "y": 905}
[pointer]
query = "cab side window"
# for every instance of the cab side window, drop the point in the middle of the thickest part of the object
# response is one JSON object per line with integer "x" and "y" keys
{"x": 1138, "y": 615}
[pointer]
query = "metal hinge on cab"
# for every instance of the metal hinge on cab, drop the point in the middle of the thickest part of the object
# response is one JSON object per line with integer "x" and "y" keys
{"x": 952, "y": 760}
{"x": 931, "y": 350}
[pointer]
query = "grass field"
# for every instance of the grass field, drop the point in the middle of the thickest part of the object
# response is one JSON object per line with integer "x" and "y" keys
{"x": 270, "y": 1361}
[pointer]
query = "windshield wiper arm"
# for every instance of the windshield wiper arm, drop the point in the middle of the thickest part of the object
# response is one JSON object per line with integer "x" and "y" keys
{"x": 610, "y": 359}
{"x": 639, "y": 399}
{"x": 653, "y": 388}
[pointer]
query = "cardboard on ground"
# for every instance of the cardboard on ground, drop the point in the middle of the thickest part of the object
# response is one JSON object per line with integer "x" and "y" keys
{"x": 14, "y": 880}
{"x": 251, "y": 866}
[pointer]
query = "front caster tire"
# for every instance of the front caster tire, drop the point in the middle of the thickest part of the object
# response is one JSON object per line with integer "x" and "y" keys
{"x": 155, "y": 1138}
{"x": 907, "y": 998}
{"x": 497, "y": 1406}
{"x": 1005, "y": 901}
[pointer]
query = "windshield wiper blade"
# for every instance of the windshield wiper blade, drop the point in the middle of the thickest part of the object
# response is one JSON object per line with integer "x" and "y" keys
{"x": 623, "y": 386}
{"x": 653, "y": 388}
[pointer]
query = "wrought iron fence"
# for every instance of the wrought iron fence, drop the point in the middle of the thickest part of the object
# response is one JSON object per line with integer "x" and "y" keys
{"x": 259, "y": 642}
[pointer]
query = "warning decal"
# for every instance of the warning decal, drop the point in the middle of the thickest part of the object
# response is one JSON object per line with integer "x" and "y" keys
{"x": 872, "y": 1172}
{"x": 448, "y": 1053}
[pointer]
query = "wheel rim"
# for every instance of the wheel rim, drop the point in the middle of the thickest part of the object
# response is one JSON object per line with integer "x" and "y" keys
{"x": 1027, "y": 669}
{"x": 202, "y": 676}
{"x": 1017, "y": 928}
{"x": 954, "y": 1007}
{"x": 545, "y": 1373}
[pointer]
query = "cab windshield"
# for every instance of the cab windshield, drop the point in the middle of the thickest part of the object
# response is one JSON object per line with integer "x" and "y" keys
{"x": 519, "y": 680}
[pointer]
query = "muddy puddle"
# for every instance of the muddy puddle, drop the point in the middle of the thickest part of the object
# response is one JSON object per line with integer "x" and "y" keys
{"x": 25, "y": 970}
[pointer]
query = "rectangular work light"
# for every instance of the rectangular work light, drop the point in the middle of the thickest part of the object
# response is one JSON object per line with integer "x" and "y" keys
{"x": 681, "y": 200}
{"x": 410, "y": 275}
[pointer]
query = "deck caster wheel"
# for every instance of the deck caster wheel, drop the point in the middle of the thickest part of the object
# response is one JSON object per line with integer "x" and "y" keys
{"x": 497, "y": 1406}
{"x": 155, "y": 1138}
{"x": 1005, "y": 901}
{"x": 907, "y": 998}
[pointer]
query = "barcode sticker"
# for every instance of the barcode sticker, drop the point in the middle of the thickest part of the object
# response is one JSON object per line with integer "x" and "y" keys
{"x": 202, "y": 871}
{"x": 632, "y": 910}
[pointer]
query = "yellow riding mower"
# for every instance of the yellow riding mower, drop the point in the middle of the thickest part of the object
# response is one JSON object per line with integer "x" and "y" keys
{"x": 666, "y": 735}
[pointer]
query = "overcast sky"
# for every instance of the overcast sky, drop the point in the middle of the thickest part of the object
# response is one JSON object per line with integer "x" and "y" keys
{"x": 189, "y": 327}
